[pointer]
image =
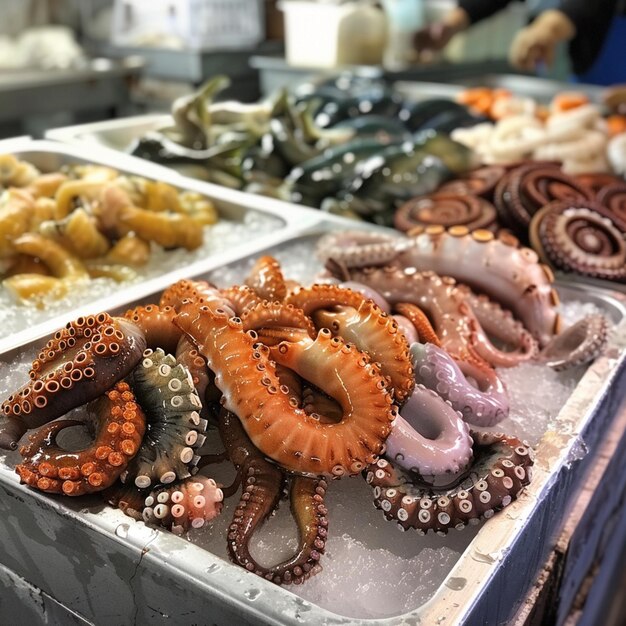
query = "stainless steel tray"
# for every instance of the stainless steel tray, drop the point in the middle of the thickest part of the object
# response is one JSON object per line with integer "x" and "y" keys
{"x": 116, "y": 134}
{"x": 110, "y": 569}
{"x": 275, "y": 221}
{"x": 541, "y": 89}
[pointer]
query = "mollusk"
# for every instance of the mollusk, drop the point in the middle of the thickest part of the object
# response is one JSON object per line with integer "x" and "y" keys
{"x": 484, "y": 406}
{"x": 77, "y": 365}
{"x": 501, "y": 469}
{"x": 120, "y": 428}
{"x": 186, "y": 505}
{"x": 165, "y": 391}
{"x": 581, "y": 237}
{"x": 246, "y": 376}
{"x": 262, "y": 487}
{"x": 429, "y": 438}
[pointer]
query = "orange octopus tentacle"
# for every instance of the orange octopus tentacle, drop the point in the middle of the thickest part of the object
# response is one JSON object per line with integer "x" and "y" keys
{"x": 198, "y": 291}
{"x": 77, "y": 365}
{"x": 247, "y": 378}
{"x": 157, "y": 324}
{"x": 241, "y": 298}
{"x": 374, "y": 332}
{"x": 275, "y": 315}
{"x": 121, "y": 426}
{"x": 310, "y": 299}
{"x": 266, "y": 279}
{"x": 420, "y": 320}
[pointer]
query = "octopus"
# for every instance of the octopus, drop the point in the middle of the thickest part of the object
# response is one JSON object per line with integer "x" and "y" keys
{"x": 379, "y": 378}
{"x": 582, "y": 237}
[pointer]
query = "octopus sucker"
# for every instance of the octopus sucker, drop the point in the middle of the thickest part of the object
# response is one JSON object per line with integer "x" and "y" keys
{"x": 247, "y": 379}
{"x": 120, "y": 428}
{"x": 77, "y": 365}
{"x": 157, "y": 324}
{"x": 266, "y": 279}
{"x": 165, "y": 391}
{"x": 262, "y": 487}
{"x": 578, "y": 344}
{"x": 187, "y": 505}
{"x": 484, "y": 405}
{"x": 500, "y": 470}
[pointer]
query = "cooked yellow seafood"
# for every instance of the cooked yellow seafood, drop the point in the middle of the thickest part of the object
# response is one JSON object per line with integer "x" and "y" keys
{"x": 60, "y": 228}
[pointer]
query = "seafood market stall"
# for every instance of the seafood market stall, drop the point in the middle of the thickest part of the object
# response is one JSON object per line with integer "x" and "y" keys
{"x": 88, "y": 562}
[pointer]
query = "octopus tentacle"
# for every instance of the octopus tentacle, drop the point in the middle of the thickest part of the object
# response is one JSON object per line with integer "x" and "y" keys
{"x": 198, "y": 291}
{"x": 494, "y": 266}
{"x": 186, "y": 505}
{"x": 310, "y": 299}
{"x": 501, "y": 469}
{"x": 360, "y": 248}
{"x": 276, "y": 315}
{"x": 483, "y": 406}
{"x": 578, "y": 344}
{"x": 429, "y": 438}
{"x": 175, "y": 430}
{"x": 241, "y": 298}
{"x": 251, "y": 389}
{"x": 121, "y": 425}
{"x": 581, "y": 237}
{"x": 266, "y": 279}
{"x": 420, "y": 321}
{"x": 374, "y": 332}
{"x": 262, "y": 489}
{"x": 157, "y": 324}
{"x": 500, "y": 324}
{"x": 77, "y": 365}
{"x": 369, "y": 293}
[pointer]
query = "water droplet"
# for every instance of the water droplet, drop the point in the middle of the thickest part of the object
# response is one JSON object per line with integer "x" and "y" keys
{"x": 83, "y": 511}
{"x": 122, "y": 530}
{"x": 456, "y": 584}
{"x": 252, "y": 594}
{"x": 483, "y": 557}
{"x": 440, "y": 620}
{"x": 214, "y": 567}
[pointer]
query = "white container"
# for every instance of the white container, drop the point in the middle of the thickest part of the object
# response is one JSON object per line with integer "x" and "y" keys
{"x": 324, "y": 35}
{"x": 195, "y": 24}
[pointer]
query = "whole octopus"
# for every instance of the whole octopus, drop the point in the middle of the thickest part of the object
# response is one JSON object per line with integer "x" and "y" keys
{"x": 378, "y": 371}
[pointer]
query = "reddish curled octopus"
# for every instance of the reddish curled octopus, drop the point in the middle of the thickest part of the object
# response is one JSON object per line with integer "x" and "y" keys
{"x": 378, "y": 377}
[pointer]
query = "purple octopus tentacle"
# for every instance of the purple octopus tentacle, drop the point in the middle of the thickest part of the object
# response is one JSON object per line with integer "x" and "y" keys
{"x": 484, "y": 406}
{"x": 578, "y": 344}
{"x": 429, "y": 438}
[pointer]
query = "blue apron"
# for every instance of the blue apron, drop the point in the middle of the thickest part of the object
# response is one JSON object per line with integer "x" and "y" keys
{"x": 610, "y": 66}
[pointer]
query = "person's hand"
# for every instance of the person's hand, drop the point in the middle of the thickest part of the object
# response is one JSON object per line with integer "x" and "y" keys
{"x": 436, "y": 36}
{"x": 536, "y": 43}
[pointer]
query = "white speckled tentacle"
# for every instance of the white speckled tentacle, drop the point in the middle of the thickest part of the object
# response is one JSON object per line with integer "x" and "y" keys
{"x": 501, "y": 469}
{"x": 361, "y": 248}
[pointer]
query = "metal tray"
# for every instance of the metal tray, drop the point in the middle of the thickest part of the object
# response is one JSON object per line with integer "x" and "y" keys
{"x": 541, "y": 89}
{"x": 108, "y": 568}
{"x": 278, "y": 221}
